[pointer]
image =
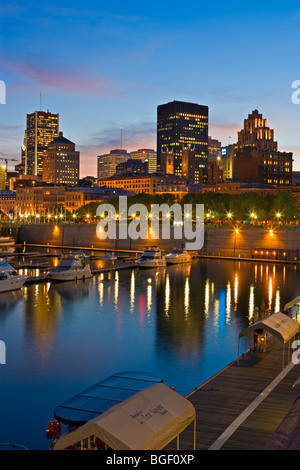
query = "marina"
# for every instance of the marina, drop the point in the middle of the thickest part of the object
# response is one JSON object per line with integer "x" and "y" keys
{"x": 178, "y": 322}
{"x": 149, "y": 229}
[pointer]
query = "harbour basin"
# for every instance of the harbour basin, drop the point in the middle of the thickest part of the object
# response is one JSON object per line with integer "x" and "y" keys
{"x": 180, "y": 323}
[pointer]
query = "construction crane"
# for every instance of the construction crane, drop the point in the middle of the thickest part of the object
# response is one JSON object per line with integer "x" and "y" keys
{"x": 6, "y": 160}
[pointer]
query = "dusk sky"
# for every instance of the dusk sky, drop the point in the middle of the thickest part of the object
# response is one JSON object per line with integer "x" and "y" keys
{"x": 107, "y": 65}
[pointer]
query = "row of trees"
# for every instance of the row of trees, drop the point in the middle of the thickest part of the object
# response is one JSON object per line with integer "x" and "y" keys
{"x": 218, "y": 207}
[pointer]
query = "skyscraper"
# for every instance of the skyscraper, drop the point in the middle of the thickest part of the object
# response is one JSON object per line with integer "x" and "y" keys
{"x": 256, "y": 133}
{"x": 257, "y": 158}
{"x": 41, "y": 128}
{"x": 106, "y": 164}
{"x": 146, "y": 155}
{"x": 61, "y": 162}
{"x": 180, "y": 125}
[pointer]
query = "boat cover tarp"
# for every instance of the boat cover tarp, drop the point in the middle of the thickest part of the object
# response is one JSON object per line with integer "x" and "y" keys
{"x": 278, "y": 324}
{"x": 98, "y": 398}
{"x": 292, "y": 303}
{"x": 148, "y": 420}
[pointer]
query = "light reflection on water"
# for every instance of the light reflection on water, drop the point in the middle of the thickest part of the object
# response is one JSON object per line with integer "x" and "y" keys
{"x": 180, "y": 322}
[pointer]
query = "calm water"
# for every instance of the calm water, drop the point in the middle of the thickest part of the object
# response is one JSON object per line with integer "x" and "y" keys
{"x": 181, "y": 323}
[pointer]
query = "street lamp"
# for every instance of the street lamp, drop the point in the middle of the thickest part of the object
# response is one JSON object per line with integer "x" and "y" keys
{"x": 236, "y": 231}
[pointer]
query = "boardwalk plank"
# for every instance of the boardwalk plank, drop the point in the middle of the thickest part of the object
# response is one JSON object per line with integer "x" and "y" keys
{"x": 222, "y": 399}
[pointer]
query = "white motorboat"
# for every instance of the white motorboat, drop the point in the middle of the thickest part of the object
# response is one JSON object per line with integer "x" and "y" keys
{"x": 152, "y": 257}
{"x": 72, "y": 267}
{"x": 7, "y": 245}
{"x": 178, "y": 256}
{"x": 9, "y": 278}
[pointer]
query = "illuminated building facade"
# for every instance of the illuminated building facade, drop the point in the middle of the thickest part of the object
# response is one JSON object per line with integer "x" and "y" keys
{"x": 41, "y": 128}
{"x": 167, "y": 159}
{"x": 107, "y": 163}
{"x": 256, "y": 133}
{"x": 61, "y": 162}
{"x": 188, "y": 167}
{"x": 2, "y": 177}
{"x": 78, "y": 197}
{"x": 144, "y": 155}
{"x": 215, "y": 174}
{"x": 149, "y": 184}
{"x": 132, "y": 166}
{"x": 214, "y": 150}
{"x": 33, "y": 200}
{"x": 180, "y": 123}
{"x": 227, "y": 161}
{"x": 7, "y": 201}
{"x": 257, "y": 158}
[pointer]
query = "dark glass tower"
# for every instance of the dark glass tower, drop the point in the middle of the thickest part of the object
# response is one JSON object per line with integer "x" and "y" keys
{"x": 181, "y": 125}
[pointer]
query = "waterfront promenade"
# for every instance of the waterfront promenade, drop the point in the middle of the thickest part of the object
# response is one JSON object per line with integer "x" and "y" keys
{"x": 241, "y": 407}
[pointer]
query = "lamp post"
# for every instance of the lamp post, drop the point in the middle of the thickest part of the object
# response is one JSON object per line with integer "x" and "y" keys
{"x": 278, "y": 216}
{"x": 236, "y": 231}
{"x": 229, "y": 216}
{"x": 253, "y": 216}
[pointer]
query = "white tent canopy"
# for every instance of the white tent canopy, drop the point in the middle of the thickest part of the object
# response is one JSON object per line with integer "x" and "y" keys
{"x": 292, "y": 303}
{"x": 149, "y": 419}
{"x": 278, "y": 324}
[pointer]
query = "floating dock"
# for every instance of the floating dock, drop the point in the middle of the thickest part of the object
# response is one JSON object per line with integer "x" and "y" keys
{"x": 240, "y": 407}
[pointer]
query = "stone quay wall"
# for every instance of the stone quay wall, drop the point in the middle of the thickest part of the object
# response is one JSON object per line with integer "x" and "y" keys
{"x": 283, "y": 243}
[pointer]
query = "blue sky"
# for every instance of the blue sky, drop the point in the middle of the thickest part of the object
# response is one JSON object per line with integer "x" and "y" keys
{"x": 106, "y": 65}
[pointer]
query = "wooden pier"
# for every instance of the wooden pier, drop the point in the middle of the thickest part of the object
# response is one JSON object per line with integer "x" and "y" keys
{"x": 241, "y": 407}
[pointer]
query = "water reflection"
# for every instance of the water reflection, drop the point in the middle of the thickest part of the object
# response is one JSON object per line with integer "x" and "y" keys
{"x": 132, "y": 290}
{"x": 70, "y": 290}
{"x": 167, "y": 295}
{"x": 180, "y": 322}
{"x": 8, "y": 300}
{"x": 228, "y": 301}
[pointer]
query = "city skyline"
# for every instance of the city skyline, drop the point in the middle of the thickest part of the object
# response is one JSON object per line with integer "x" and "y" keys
{"x": 107, "y": 69}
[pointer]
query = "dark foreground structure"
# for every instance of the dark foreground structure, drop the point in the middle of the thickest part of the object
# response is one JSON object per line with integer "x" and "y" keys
{"x": 252, "y": 404}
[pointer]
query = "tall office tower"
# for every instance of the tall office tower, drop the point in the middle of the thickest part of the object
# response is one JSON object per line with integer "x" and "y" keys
{"x": 146, "y": 154}
{"x": 256, "y": 133}
{"x": 41, "y": 128}
{"x": 107, "y": 163}
{"x": 61, "y": 162}
{"x": 178, "y": 124}
{"x": 257, "y": 158}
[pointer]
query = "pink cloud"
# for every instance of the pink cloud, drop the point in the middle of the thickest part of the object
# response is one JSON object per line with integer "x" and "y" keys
{"x": 70, "y": 82}
{"x": 134, "y": 138}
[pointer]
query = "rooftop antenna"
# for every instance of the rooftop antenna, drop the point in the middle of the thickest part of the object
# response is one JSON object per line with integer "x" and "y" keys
{"x": 121, "y": 136}
{"x": 40, "y": 101}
